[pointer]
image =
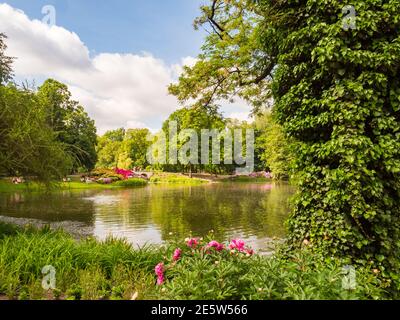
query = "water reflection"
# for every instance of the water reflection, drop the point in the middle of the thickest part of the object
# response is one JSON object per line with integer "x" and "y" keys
{"x": 254, "y": 212}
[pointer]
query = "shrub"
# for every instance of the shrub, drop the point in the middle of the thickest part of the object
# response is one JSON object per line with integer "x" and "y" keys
{"x": 107, "y": 173}
{"x": 133, "y": 182}
{"x": 233, "y": 272}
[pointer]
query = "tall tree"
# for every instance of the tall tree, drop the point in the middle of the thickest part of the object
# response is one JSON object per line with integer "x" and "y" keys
{"x": 27, "y": 144}
{"x": 134, "y": 149}
{"x": 69, "y": 120}
{"x": 194, "y": 118}
{"x": 5, "y": 62}
{"x": 109, "y": 148}
{"x": 335, "y": 84}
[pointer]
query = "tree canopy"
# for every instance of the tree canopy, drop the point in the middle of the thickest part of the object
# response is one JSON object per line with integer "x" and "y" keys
{"x": 44, "y": 134}
{"x": 70, "y": 122}
{"x": 335, "y": 92}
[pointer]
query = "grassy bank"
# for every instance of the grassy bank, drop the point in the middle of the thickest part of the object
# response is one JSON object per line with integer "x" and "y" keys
{"x": 168, "y": 178}
{"x": 6, "y": 186}
{"x": 113, "y": 269}
{"x": 246, "y": 179}
{"x": 165, "y": 178}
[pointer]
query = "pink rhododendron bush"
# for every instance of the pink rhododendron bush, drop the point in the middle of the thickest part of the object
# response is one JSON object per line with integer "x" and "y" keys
{"x": 203, "y": 268}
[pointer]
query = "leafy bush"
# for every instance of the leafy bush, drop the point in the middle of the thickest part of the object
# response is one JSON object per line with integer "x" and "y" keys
{"x": 133, "y": 182}
{"x": 202, "y": 272}
{"x": 107, "y": 173}
{"x": 174, "y": 179}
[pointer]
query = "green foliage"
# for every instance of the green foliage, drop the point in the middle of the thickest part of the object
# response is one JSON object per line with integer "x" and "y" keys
{"x": 232, "y": 62}
{"x": 84, "y": 270}
{"x": 174, "y": 179}
{"x": 134, "y": 148}
{"x": 336, "y": 93}
{"x": 123, "y": 148}
{"x": 106, "y": 173}
{"x": 70, "y": 122}
{"x": 112, "y": 269}
{"x": 5, "y": 62}
{"x": 203, "y": 274}
{"x": 108, "y": 148}
{"x": 274, "y": 148}
{"x": 195, "y": 118}
{"x": 27, "y": 144}
{"x": 133, "y": 182}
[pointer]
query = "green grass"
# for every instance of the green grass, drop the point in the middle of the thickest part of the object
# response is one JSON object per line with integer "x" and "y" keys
{"x": 84, "y": 270}
{"x": 6, "y": 186}
{"x": 113, "y": 269}
{"x": 135, "y": 182}
{"x": 246, "y": 179}
{"x": 175, "y": 179}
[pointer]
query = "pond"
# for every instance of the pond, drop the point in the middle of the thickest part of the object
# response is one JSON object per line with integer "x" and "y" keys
{"x": 254, "y": 212}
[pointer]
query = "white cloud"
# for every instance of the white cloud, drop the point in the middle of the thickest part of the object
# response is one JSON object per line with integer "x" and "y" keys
{"x": 117, "y": 90}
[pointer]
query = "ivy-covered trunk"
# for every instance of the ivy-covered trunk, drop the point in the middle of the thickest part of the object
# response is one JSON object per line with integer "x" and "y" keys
{"x": 337, "y": 91}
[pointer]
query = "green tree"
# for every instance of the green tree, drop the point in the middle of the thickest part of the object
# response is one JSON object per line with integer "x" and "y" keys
{"x": 5, "y": 62}
{"x": 233, "y": 62}
{"x": 69, "y": 120}
{"x": 134, "y": 149}
{"x": 109, "y": 148}
{"x": 27, "y": 144}
{"x": 336, "y": 91}
{"x": 273, "y": 148}
{"x": 194, "y": 118}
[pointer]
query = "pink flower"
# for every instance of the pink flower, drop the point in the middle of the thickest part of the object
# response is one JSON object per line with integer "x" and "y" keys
{"x": 160, "y": 280}
{"x": 159, "y": 270}
{"x": 250, "y": 252}
{"x": 237, "y": 244}
{"x": 177, "y": 254}
{"x": 192, "y": 243}
{"x": 214, "y": 244}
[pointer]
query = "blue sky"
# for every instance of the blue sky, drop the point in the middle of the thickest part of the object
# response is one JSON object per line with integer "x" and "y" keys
{"x": 162, "y": 27}
{"x": 117, "y": 57}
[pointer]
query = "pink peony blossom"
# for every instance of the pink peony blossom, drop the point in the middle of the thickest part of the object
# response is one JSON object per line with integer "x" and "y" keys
{"x": 160, "y": 280}
{"x": 237, "y": 244}
{"x": 250, "y": 252}
{"x": 214, "y": 244}
{"x": 177, "y": 254}
{"x": 192, "y": 243}
{"x": 159, "y": 270}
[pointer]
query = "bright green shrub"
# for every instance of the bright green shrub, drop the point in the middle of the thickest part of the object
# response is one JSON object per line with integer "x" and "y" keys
{"x": 131, "y": 182}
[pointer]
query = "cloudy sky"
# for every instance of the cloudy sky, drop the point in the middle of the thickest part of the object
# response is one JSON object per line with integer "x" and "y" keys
{"x": 117, "y": 57}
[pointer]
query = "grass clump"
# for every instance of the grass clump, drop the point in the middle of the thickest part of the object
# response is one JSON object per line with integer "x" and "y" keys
{"x": 134, "y": 182}
{"x": 246, "y": 179}
{"x": 175, "y": 179}
{"x": 87, "y": 269}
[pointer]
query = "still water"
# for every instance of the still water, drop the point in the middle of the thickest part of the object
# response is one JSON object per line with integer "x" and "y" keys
{"x": 253, "y": 212}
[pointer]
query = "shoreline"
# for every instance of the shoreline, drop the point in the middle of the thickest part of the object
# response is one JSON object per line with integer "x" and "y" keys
{"x": 80, "y": 231}
{"x": 77, "y": 230}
